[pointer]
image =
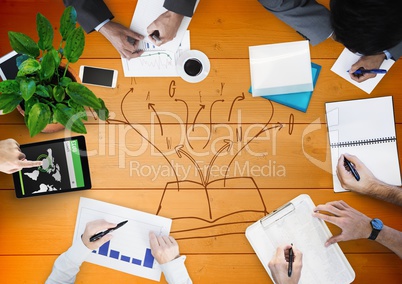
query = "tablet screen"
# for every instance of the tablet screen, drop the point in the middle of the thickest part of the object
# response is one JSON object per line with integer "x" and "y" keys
{"x": 65, "y": 168}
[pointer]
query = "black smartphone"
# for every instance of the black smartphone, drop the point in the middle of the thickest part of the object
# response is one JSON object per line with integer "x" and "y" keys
{"x": 98, "y": 76}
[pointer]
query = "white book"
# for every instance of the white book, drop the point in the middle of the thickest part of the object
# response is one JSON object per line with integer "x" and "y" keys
{"x": 364, "y": 128}
{"x": 293, "y": 223}
{"x": 280, "y": 68}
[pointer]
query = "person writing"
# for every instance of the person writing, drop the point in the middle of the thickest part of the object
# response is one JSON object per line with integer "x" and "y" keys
{"x": 12, "y": 159}
{"x": 371, "y": 28}
{"x": 95, "y": 15}
{"x": 280, "y": 267}
{"x": 164, "y": 249}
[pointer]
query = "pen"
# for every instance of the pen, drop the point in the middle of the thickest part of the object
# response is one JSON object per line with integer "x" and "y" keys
{"x": 155, "y": 35}
{"x": 362, "y": 71}
{"x": 290, "y": 266}
{"x": 351, "y": 169}
{"x": 101, "y": 234}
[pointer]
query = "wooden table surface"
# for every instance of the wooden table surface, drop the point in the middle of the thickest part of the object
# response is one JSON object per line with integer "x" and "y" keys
{"x": 133, "y": 158}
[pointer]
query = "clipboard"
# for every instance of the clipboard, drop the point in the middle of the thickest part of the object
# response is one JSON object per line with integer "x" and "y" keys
{"x": 294, "y": 223}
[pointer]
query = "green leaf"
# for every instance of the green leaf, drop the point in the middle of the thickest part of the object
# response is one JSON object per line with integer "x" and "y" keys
{"x": 102, "y": 112}
{"x": 78, "y": 109}
{"x": 64, "y": 81}
{"x": 68, "y": 21}
{"x": 29, "y": 66}
{"x": 23, "y": 44}
{"x": 27, "y": 88}
{"x": 8, "y": 102}
{"x": 66, "y": 116}
{"x": 9, "y": 87}
{"x": 55, "y": 55}
{"x": 82, "y": 95}
{"x": 45, "y": 32}
{"x": 42, "y": 91}
{"x": 48, "y": 66}
{"x": 75, "y": 44}
{"x": 59, "y": 93}
{"x": 39, "y": 117}
{"x": 21, "y": 59}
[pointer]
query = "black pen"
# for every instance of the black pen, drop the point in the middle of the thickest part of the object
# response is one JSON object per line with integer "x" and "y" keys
{"x": 155, "y": 35}
{"x": 101, "y": 234}
{"x": 351, "y": 169}
{"x": 290, "y": 266}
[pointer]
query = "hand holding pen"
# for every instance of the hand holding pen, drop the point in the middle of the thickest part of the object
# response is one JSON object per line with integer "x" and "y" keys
{"x": 93, "y": 228}
{"x": 286, "y": 265}
{"x": 367, "y": 67}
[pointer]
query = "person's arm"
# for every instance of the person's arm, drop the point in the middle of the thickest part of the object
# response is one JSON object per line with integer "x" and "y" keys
{"x": 309, "y": 18}
{"x": 368, "y": 183}
{"x": 396, "y": 51}
{"x": 12, "y": 159}
{"x": 355, "y": 225}
{"x": 67, "y": 265}
{"x": 168, "y": 23}
{"x": 166, "y": 252}
{"x": 279, "y": 264}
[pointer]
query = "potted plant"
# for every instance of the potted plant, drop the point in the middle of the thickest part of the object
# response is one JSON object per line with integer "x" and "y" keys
{"x": 42, "y": 86}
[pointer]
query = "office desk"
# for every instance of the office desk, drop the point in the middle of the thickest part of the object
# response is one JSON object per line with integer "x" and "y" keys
{"x": 165, "y": 132}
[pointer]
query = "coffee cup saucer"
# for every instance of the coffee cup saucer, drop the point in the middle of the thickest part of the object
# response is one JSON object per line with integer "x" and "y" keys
{"x": 193, "y": 54}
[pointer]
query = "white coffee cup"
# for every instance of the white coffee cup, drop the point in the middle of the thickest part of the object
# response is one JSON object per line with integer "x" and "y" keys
{"x": 193, "y": 66}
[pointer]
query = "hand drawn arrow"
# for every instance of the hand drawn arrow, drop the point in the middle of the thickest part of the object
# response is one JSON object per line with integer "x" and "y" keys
{"x": 160, "y": 123}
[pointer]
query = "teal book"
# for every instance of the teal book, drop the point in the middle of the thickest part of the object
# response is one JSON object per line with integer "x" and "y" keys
{"x": 299, "y": 101}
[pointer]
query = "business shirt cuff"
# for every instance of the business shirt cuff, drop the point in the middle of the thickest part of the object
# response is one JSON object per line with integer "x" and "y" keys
{"x": 175, "y": 271}
{"x": 388, "y": 54}
{"x": 78, "y": 252}
{"x": 98, "y": 27}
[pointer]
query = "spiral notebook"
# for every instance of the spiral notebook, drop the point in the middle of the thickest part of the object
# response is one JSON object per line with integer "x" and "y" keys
{"x": 364, "y": 128}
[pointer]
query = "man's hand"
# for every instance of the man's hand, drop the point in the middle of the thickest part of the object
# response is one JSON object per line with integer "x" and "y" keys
{"x": 167, "y": 25}
{"x": 280, "y": 262}
{"x": 12, "y": 159}
{"x": 367, "y": 179}
{"x": 163, "y": 248}
{"x": 123, "y": 39}
{"x": 354, "y": 224}
{"x": 93, "y": 228}
{"x": 366, "y": 62}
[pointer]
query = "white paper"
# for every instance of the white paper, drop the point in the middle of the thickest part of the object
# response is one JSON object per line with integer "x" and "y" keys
{"x": 308, "y": 234}
{"x": 148, "y": 11}
{"x": 362, "y": 121}
{"x": 131, "y": 241}
{"x": 345, "y": 62}
{"x": 280, "y": 68}
{"x": 154, "y": 62}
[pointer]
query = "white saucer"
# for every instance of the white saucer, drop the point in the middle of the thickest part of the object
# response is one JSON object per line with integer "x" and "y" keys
{"x": 206, "y": 66}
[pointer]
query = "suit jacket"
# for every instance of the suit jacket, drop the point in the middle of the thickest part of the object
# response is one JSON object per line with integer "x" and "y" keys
{"x": 310, "y": 19}
{"x": 90, "y": 13}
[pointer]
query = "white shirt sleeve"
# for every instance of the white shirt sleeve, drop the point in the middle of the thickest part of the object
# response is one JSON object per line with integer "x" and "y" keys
{"x": 67, "y": 265}
{"x": 176, "y": 272}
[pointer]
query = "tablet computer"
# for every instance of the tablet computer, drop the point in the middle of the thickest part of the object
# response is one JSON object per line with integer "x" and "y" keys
{"x": 8, "y": 66}
{"x": 65, "y": 168}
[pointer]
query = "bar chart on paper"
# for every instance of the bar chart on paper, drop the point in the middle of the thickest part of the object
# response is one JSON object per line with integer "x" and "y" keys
{"x": 128, "y": 251}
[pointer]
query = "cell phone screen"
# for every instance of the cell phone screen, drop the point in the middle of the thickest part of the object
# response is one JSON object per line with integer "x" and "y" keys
{"x": 97, "y": 76}
{"x": 8, "y": 66}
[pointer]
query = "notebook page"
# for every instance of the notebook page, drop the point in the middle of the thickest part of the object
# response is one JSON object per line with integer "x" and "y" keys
{"x": 364, "y": 128}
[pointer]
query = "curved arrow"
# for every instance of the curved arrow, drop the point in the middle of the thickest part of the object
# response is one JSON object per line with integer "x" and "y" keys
{"x": 238, "y": 98}
{"x": 227, "y": 146}
{"x": 160, "y": 123}
{"x": 180, "y": 151}
{"x": 195, "y": 118}
{"x": 210, "y": 121}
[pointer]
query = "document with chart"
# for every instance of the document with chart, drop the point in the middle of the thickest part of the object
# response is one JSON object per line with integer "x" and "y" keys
{"x": 129, "y": 250}
{"x": 293, "y": 223}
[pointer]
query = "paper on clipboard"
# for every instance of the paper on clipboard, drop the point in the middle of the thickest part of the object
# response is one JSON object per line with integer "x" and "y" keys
{"x": 294, "y": 223}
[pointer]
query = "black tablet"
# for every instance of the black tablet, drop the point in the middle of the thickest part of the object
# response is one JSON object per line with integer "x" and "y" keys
{"x": 65, "y": 168}
{"x": 8, "y": 66}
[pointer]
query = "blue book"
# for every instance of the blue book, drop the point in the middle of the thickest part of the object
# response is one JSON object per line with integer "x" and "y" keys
{"x": 299, "y": 101}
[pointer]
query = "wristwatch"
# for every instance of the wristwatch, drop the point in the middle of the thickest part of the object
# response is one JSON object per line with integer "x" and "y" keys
{"x": 377, "y": 226}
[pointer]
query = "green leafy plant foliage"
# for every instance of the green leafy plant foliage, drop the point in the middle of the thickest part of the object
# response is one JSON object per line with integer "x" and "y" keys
{"x": 42, "y": 85}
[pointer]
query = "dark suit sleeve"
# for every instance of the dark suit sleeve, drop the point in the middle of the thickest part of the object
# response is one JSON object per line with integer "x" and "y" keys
{"x": 396, "y": 51}
{"x": 90, "y": 13}
{"x": 307, "y": 17}
{"x": 182, "y": 7}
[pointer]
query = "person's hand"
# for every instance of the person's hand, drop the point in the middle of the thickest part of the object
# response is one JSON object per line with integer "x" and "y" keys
{"x": 367, "y": 179}
{"x": 93, "y": 228}
{"x": 167, "y": 25}
{"x": 366, "y": 62}
{"x": 280, "y": 262}
{"x": 12, "y": 159}
{"x": 354, "y": 224}
{"x": 123, "y": 39}
{"x": 163, "y": 248}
